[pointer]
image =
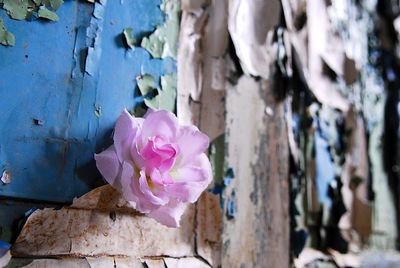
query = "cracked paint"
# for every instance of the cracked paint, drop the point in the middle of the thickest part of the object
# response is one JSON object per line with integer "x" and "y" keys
{"x": 163, "y": 42}
{"x": 166, "y": 98}
{"x": 47, "y": 14}
{"x": 6, "y": 38}
{"x": 66, "y": 95}
{"x": 18, "y": 10}
{"x": 93, "y": 34}
{"x": 27, "y": 10}
{"x": 146, "y": 84}
{"x": 85, "y": 228}
{"x": 6, "y": 177}
{"x": 217, "y": 158}
{"x": 156, "y": 97}
{"x": 129, "y": 38}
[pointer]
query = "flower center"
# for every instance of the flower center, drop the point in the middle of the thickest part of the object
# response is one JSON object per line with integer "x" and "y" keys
{"x": 159, "y": 154}
{"x": 150, "y": 183}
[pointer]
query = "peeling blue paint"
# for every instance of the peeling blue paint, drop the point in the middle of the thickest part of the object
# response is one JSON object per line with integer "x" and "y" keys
{"x": 230, "y": 175}
{"x": 43, "y": 77}
{"x": 231, "y": 209}
{"x": 325, "y": 172}
{"x": 93, "y": 38}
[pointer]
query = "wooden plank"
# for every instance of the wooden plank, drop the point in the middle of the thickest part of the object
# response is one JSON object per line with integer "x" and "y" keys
{"x": 107, "y": 262}
{"x": 101, "y": 262}
{"x": 202, "y": 65}
{"x": 258, "y": 153}
{"x": 185, "y": 263}
{"x": 208, "y": 228}
{"x": 73, "y": 231}
{"x": 66, "y": 263}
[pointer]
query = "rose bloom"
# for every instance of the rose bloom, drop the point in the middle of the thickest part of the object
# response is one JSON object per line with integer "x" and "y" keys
{"x": 158, "y": 165}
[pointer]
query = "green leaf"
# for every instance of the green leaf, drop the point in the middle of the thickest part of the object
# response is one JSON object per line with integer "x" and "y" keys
{"x": 47, "y": 14}
{"x": 55, "y": 4}
{"x": 37, "y": 2}
{"x": 16, "y": 9}
{"x": 6, "y": 38}
{"x": 130, "y": 40}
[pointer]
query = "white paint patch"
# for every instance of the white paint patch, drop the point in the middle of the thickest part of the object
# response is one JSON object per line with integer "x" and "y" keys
{"x": 6, "y": 177}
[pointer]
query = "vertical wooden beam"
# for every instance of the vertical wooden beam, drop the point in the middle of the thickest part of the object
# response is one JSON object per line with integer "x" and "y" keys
{"x": 256, "y": 227}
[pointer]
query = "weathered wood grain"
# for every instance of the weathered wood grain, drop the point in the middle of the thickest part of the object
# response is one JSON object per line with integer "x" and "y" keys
{"x": 202, "y": 66}
{"x": 258, "y": 235}
{"x": 208, "y": 228}
{"x": 97, "y": 231}
{"x": 116, "y": 262}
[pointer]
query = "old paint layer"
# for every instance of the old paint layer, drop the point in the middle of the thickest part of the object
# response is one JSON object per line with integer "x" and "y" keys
{"x": 209, "y": 229}
{"x": 101, "y": 224}
{"x": 251, "y": 25}
{"x": 6, "y": 38}
{"x": 259, "y": 233}
{"x": 116, "y": 262}
{"x": 65, "y": 99}
{"x": 163, "y": 42}
{"x": 202, "y": 65}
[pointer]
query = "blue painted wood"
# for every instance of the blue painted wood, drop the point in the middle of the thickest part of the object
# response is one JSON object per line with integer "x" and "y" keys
{"x": 49, "y": 129}
{"x": 325, "y": 170}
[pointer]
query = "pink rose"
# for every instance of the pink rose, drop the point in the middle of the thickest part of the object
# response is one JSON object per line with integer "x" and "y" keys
{"x": 157, "y": 165}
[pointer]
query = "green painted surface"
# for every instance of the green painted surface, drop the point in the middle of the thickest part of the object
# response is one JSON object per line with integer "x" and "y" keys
{"x": 163, "y": 42}
{"x": 6, "y": 38}
{"x": 129, "y": 38}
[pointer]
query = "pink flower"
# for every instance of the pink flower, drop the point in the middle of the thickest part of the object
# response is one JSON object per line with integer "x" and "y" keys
{"x": 157, "y": 165}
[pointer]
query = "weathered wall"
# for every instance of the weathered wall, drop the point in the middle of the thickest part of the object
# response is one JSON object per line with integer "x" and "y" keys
{"x": 101, "y": 228}
{"x": 228, "y": 90}
{"x": 214, "y": 93}
{"x": 62, "y": 87}
{"x": 343, "y": 95}
{"x": 257, "y": 233}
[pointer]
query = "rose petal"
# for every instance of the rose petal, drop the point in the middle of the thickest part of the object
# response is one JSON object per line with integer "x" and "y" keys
{"x": 191, "y": 181}
{"x": 125, "y": 133}
{"x": 130, "y": 189}
{"x": 170, "y": 214}
{"x": 160, "y": 178}
{"x": 148, "y": 112}
{"x": 159, "y": 199}
{"x": 191, "y": 142}
{"x": 202, "y": 162}
{"x": 158, "y": 154}
{"x": 138, "y": 159}
{"x": 155, "y": 145}
{"x": 108, "y": 165}
{"x": 127, "y": 177}
{"x": 186, "y": 191}
{"x": 159, "y": 123}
